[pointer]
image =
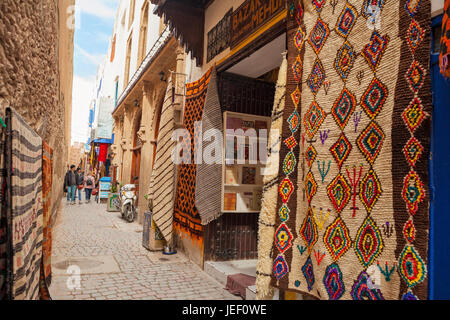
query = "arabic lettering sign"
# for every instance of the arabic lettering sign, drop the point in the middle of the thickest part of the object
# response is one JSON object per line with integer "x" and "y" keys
{"x": 251, "y": 15}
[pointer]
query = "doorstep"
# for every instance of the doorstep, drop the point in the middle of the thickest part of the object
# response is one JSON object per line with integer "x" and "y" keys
{"x": 220, "y": 270}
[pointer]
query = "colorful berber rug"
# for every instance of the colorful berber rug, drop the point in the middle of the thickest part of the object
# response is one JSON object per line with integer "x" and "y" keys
{"x": 353, "y": 201}
{"x": 186, "y": 214}
{"x": 444, "y": 57}
{"x": 47, "y": 180}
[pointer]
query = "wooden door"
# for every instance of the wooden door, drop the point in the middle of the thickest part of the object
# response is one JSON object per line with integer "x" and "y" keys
{"x": 135, "y": 167}
{"x": 136, "y": 160}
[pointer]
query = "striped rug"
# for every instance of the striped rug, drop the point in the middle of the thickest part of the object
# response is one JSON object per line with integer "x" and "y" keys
{"x": 3, "y": 221}
{"x": 162, "y": 185}
{"x": 24, "y": 212}
{"x": 266, "y": 229}
{"x": 209, "y": 175}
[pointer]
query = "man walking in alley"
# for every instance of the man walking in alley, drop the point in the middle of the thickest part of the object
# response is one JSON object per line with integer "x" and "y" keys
{"x": 70, "y": 183}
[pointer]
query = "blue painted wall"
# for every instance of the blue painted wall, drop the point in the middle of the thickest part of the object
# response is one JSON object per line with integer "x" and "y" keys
{"x": 439, "y": 253}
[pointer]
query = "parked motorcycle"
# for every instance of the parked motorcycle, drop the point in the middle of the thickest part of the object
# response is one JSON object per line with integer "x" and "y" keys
{"x": 128, "y": 199}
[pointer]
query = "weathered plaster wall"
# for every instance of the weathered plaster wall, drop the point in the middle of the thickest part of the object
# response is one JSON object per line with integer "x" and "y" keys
{"x": 36, "y": 50}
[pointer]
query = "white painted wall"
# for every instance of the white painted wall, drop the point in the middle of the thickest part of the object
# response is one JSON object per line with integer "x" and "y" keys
{"x": 110, "y": 71}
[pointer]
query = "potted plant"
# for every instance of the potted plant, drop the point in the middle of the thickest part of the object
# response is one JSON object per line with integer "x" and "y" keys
{"x": 113, "y": 204}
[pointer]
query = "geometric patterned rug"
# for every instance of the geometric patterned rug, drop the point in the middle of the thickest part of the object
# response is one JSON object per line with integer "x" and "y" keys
{"x": 47, "y": 180}
{"x": 186, "y": 214}
{"x": 352, "y": 217}
{"x": 444, "y": 56}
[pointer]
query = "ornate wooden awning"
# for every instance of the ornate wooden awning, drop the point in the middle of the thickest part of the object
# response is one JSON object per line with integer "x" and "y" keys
{"x": 185, "y": 19}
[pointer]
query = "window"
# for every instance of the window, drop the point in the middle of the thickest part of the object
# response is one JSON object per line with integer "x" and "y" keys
{"x": 123, "y": 19}
{"x": 162, "y": 25}
{"x": 113, "y": 49}
{"x": 143, "y": 33}
{"x": 219, "y": 37}
{"x": 437, "y": 33}
{"x": 131, "y": 13}
{"x": 116, "y": 91}
{"x": 126, "y": 77}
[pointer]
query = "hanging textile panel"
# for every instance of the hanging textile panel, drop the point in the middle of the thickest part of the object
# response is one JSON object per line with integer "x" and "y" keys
{"x": 25, "y": 211}
{"x": 444, "y": 57}
{"x": 162, "y": 185}
{"x": 353, "y": 200}
{"x": 268, "y": 212}
{"x": 47, "y": 180}
{"x": 208, "y": 191}
{"x": 103, "y": 150}
{"x": 185, "y": 212}
{"x": 3, "y": 220}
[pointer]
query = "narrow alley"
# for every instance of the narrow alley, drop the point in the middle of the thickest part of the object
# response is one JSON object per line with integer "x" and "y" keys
{"x": 114, "y": 264}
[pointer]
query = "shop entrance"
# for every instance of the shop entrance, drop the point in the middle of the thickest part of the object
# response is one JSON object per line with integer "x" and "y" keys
{"x": 246, "y": 91}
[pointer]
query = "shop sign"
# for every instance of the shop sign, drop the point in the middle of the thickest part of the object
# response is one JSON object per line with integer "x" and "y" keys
{"x": 250, "y": 16}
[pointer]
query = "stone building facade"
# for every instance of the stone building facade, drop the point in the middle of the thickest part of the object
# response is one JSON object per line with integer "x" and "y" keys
{"x": 36, "y": 70}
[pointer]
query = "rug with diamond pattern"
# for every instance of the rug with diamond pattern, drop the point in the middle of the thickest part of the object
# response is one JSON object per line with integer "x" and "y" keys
{"x": 353, "y": 200}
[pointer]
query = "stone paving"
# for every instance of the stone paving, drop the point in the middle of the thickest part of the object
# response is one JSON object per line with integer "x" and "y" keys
{"x": 115, "y": 266}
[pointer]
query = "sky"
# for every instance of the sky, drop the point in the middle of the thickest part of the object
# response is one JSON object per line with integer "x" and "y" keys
{"x": 93, "y": 31}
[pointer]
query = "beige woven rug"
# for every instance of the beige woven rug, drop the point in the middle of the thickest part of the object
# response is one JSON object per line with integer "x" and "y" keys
{"x": 352, "y": 205}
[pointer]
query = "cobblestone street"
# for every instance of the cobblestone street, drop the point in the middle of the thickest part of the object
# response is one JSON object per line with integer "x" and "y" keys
{"x": 115, "y": 266}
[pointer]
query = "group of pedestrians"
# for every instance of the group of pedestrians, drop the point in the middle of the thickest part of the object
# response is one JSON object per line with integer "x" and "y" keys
{"x": 75, "y": 180}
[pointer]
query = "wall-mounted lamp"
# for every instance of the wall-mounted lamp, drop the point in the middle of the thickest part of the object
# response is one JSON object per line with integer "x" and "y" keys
{"x": 162, "y": 76}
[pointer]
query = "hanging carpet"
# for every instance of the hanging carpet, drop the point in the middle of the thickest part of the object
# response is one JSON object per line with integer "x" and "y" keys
{"x": 444, "y": 57}
{"x": 23, "y": 161}
{"x": 3, "y": 220}
{"x": 47, "y": 180}
{"x": 162, "y": 185}
{"x": 186, "y": 214}
{"x": 208, "y": 191}
{"x": 353, "y": 201}
{"x": 268, "y": 212}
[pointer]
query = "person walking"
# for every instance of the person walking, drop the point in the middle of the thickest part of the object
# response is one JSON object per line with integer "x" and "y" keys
{"x": 66, "y": 187}
{"x": 89, "y": 185}
{"x": 80, "y": 183}
{"x": 70, "y": 181}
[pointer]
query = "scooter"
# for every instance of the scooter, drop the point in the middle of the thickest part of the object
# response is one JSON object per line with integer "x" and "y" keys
{"x": 128, "y": 198}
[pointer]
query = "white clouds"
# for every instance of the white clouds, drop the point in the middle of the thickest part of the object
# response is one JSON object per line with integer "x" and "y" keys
{"x": 81, "y": 99}
{"x": 99, "y": 8}
{"x": 95, "y": 59}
